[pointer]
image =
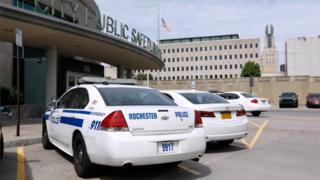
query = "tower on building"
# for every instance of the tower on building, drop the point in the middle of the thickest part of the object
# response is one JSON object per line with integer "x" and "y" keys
{"x": 270, "y": 57}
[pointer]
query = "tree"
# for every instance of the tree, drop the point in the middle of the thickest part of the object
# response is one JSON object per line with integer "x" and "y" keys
{"x": 142, "y": 76}
{"x": 251, "y": 69}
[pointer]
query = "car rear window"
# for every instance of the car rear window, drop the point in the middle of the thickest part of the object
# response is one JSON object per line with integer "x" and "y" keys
{"x": 288, "y": 94}
{"x": 314, "y": 96}
{"x": 203, "y": 98}
{"x": 134, "y": 97}
{"x": 246, "y": 95}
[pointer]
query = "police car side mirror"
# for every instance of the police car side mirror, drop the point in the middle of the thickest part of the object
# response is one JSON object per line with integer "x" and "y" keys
{"x": 52, "y": 105}
{"x": 54, "y": 98}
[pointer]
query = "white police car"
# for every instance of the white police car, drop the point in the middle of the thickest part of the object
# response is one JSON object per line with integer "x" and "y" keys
{"x": 121, "y": 125}
{"x": 222, "y": 121}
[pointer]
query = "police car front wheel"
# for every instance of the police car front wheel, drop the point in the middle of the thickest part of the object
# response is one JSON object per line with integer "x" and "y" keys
{"x": 45, "y": 138}
{"x": 83, "y": 166}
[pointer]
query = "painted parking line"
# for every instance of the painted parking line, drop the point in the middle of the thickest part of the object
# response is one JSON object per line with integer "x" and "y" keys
{"x": 256, "y": 136}
{"x": 20, "y": 164}
{"x": 191, "y": 171}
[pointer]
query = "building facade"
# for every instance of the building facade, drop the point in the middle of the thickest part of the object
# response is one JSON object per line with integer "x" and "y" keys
{"x": 269, "y": 63}
{"x": 303, "y": 56}
{"x": 64, "y": 41}
{"x": 210, "y": 57}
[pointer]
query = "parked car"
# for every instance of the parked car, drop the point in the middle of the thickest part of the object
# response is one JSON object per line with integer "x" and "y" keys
{"x": 222, "y": 121}
{"x": 121, "y": 125}
{"x": 251, "y": 103}
{"x": 313, "y": 100}
{"x": 288, "y": 99}
{"x": 4, "y": 113}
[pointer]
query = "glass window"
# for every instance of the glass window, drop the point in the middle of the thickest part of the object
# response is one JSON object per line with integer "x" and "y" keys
{"x": 246, "y": 95}
{"x": 204, "y": 98}
{"x": 121, "y": 96}
{"x": 75, "y": 99}
{"x": 229, "y": 96}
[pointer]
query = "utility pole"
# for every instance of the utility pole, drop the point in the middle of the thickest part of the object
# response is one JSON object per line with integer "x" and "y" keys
{"x": 18, "y": 44}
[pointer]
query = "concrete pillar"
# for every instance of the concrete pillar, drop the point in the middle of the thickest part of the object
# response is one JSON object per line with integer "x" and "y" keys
{"x": 6, "y": 63}
{"x": 121, "y": 71}
{"x": 51, "y": 73}
{"x": 129, "y": 74}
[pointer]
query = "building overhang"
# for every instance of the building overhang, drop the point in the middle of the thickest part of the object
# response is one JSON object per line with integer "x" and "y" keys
{"x": 42, "y": 31}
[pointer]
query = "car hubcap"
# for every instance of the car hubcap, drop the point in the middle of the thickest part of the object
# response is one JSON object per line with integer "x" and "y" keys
{"x": 80, "y": 153}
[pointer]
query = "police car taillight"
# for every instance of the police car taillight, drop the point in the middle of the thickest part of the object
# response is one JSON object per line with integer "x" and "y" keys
{"x": 207, "y": 114}
{"x": 241, "y": 112}
{"x": 198, "y": 120}
{"x": 114, "y": 122}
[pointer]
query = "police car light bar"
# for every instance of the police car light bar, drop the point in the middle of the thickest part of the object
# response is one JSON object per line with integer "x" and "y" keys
{"x": 101, "y": 80}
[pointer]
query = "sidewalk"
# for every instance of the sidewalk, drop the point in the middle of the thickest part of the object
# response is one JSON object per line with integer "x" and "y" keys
{"x": 30, "y": 132}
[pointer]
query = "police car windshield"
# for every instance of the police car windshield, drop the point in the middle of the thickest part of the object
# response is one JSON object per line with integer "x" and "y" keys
{"x": 119, "y": 96}
{"x": 204, "y": 98}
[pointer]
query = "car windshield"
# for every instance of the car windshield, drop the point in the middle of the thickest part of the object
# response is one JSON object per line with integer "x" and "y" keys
{"x": 287, "y": 94}
{"x": 204, "y": 98}
{"x": 314, "y": 96}
{"x": 246, "y": 95}
{"x": 120, "y": 96}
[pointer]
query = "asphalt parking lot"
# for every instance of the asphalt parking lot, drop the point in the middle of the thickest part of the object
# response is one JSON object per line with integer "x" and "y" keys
{"x": 287, "y": 148}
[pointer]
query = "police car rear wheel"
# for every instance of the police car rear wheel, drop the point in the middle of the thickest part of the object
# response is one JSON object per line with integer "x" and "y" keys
{"x": 45, "y": 138}
{"x": 225, "y": 142}
{"x": 81, "y": 160}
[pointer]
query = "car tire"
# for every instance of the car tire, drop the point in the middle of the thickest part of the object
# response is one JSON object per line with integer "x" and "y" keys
{"x": 46, "y": 144}
{"x": 224, "y": 143}
{"x": 256, "y": 113}
{"x": 1, "y": 147}
{"x": 82, "y": 164}
{"x": 280, "y": 106}
{"x": 297, "y": 104}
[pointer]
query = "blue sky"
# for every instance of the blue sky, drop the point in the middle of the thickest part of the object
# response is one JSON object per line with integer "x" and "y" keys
{"x": 248, "y": 18}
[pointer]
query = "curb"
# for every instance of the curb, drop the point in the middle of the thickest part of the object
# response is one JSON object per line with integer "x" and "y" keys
{"x": 22, "y": 142}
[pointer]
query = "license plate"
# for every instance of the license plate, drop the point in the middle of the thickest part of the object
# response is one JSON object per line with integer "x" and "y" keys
{"x": 264, "y": 101}
{"x": 166, "y": 147}
{"x": 225, "y": 115}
